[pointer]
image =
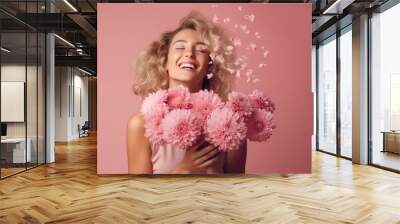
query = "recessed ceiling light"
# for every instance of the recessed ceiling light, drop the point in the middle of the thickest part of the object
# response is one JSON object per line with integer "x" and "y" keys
{"x": 5, "y": 50}
{"x": 70, "y": 5}
{"x": 64, "y": 40}
{"x": 338, "y": 6}
{"x": 84, "y": 71}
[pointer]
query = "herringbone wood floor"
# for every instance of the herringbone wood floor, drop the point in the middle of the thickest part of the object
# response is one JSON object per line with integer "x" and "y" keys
{"x": 70, "y": 191}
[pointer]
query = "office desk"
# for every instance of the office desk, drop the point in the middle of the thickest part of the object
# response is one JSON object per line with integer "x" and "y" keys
{"x": 15, "y": 148}
{"x": 391, "y": 141}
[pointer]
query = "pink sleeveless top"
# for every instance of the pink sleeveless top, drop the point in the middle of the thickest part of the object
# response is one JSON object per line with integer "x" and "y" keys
{"x": 165, "y": 158}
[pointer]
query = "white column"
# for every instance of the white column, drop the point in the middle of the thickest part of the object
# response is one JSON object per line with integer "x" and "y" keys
{"x": 50, "y": 100}
{"x": 50, "y": 92}
{"x": 360, "y": 90}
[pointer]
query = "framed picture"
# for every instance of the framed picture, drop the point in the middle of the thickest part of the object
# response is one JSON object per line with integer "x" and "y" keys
{"x": 227, "y": 49}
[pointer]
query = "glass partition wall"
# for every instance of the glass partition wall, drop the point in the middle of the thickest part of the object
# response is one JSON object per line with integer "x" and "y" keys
{"x": 22, "y": 88}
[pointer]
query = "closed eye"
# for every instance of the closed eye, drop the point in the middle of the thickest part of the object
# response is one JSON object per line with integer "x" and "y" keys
{"x": 202, "y": 49}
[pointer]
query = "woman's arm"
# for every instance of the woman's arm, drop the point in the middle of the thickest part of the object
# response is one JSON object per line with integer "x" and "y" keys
{"x": 139, "y": 149}
{"x": 235, "y": 160}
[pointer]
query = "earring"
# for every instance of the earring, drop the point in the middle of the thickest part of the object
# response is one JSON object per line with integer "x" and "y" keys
{"x": 210, "y": 74}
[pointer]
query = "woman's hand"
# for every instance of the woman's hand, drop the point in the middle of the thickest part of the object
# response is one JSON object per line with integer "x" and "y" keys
{"x": 197, "y": 159}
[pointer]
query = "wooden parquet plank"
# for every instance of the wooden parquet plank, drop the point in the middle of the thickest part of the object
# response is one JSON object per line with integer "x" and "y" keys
{"x": 70, "y": 191}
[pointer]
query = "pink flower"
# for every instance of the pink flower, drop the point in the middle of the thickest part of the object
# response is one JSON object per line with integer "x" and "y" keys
{"x": 260, "y": 101}
{"x": 154, "y": 109}
{"x": 155, "y": 100}
{"x": 175, "y": 116}
{"x": 181, "y": 128}
{"x": 204, "y": 102}
{"x": 179, "y": 98}
{"x": 239, "y": 103}
{"x": 260, "y": 126}
{"x": 225, "y": 129}
{"x": 153, "y": 128}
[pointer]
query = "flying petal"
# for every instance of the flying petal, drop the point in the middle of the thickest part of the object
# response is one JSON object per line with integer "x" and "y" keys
{"x": 215, "y": 19}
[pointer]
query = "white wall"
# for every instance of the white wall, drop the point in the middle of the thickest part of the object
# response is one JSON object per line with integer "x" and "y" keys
{"x": 81, "y": 102}
{"x": 61, "y": 103}
{"x": 71, "y": 93}
{"x": 314, "y": 91}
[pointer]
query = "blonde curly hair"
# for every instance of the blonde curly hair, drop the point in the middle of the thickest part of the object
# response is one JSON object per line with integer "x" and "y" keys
{"x": 150, "y": 67}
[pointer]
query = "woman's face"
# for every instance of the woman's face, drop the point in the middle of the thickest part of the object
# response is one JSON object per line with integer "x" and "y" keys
{"x": 188, "y": 57}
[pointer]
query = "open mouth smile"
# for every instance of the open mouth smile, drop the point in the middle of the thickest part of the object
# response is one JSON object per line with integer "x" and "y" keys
{"x": 189, "y": 66}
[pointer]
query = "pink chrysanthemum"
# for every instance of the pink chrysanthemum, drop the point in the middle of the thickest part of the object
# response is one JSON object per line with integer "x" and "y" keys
{"x": 239, "y": 103}
{"x": 179, "y": 98}
{"x": 260, "y": 125}
{"x": 204, "y": 102}
{"x": 260, "y": 101}
{"x": 225, "y": 129}
{"x": 154, "y": 109}
{"x": 153, "y": 128}
{"x": 180, "y": 127}
{"x": 155, "y": 100}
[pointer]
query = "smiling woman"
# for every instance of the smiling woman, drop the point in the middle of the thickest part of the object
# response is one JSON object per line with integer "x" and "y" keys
{"x": 188, "y": 60}
{"x": 206, "y": 42}
{"x": 197, "y": 56}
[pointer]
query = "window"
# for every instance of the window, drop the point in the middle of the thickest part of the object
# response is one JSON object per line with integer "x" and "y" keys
{"x": 346, "y": 93}
{"x": 385, "y": 88}
{"x": 327, "y": 95}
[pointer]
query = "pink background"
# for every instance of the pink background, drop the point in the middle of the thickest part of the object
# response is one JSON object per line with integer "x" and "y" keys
{"x": 285, "y": 29}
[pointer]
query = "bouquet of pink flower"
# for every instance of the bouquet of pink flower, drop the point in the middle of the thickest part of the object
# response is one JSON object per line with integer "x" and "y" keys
{"x": 175, "y": 116}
